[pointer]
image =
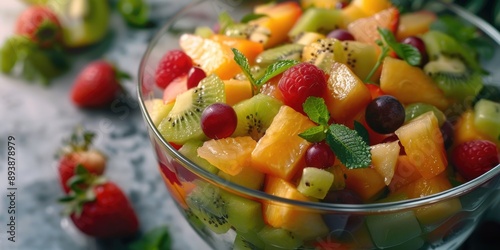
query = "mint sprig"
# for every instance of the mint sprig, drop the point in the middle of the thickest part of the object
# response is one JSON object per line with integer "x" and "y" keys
{"x": 389, "y": 42}
{"x": 349, "y": 145}
{"x": 271, "y": 71}
{"x": 252, "y": 16}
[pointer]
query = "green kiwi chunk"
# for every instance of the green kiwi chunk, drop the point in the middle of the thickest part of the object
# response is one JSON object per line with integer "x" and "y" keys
{"x": 252, "y": 32}
{"x": 487, "y": 118}
{"x": 189, "y": 150}
{"x": 320, "y": 53}
{"x": 315, "y": 182}
{"x": 206, "y": 202}
{"x": 360, "y": 57}
{"x": 279, "y": 238}
{"x": 317, "y": 20}
{"x": 248, "y": 241}
{"x": 183, "y": 122}
{"x": 290, "y": 51}
{"x": 452, "y": 67}
{"x": 255, "y": 115}
{"x": 414, "y": 110}
{"x": 243, "y": 214}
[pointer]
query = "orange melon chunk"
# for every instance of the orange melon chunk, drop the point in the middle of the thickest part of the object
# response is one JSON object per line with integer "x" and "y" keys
{"x": 372, "y": 7}
{"x": 304, "y": 223}
{"x": 366, "y": 182}
{"x": 404, "y": 174}
{"x": 280, "y": 152}
{"x": 230, "y": 155}
{"x": 237, "y": 91}
{"x": 248, "y": 48}
{"x": 415, "y": 23}
{"x": 424, "y": 145}
{"x": 211, "y": 56}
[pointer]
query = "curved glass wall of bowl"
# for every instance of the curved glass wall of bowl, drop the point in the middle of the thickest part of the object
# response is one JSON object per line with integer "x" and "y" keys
{"x": 475, "y": 196}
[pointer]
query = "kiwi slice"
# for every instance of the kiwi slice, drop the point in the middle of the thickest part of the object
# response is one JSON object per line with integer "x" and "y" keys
{"x": 360, "y": 57}
{"x": 251, "y": 32}
{"x": 320, "y": 53}
{"x": 315, "y": 182}
{"x": 317, "y": 20}
{"x": 189, "y": 150}
{"x": 452, "y": 67}
{"x": 243, "y": 214}
{"x": 183, "y": 122}
{"x": 290, "y": 51}
{"x": 279, "y": 238}
{"x": 255, "y": 115}
{"x": 248, "y": 241}
{"x": 206, "y": 202}
{"x": 306, "y": 38}
{"x": 487, "y": 118}
{"x": 414, "y": 110}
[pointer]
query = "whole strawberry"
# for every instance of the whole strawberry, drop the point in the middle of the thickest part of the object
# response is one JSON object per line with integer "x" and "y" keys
{"x": 78, "y": 151}
{"x": 39, "y": 24}
{"x": 173, "y": 64}
{"x": 100, "y": 210}
{"x": 97, "y": 85}
{"x": 474, "y": 158}
{"x": 301, "y": 81}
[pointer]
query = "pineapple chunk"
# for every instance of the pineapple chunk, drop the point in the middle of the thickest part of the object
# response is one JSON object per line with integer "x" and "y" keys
{"x": 384, "y": 159}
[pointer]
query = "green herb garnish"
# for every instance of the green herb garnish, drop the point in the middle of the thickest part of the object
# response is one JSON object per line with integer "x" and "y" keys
{"x": 362, "y": 131}
{"x": 252, "y": 16}
{"x": 271, "y": 71}
{"x": 156, "y": 239}
{"x": 405, "y": 51}
{"x": 349, "y": 146}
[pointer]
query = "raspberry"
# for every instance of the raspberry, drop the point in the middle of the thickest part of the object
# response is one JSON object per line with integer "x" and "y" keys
{"x": 474, "y": 158}
{"x": 299, "y": 82}
{"x": 173, "y": 64}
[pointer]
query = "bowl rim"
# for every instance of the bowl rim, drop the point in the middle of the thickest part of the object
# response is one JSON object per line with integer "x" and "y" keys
{"x": 454, "y": 192}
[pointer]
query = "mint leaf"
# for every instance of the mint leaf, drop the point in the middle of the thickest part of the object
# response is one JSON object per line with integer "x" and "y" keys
{"x": 225, "y": 20}
{"x": 316, "y": 110}
{"x": 156, "y": 239}
{"x": 348, "y": 146}
{"x": 276, "y": 69}
{"x": 405, "y": 51}
{"x": 314, "y": 134}
{"x": 362, "y": 131}
{"x": 242, "y": 61}
{"x": 251, "y": 17}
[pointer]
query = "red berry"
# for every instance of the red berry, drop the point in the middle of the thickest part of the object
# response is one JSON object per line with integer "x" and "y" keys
{"x": 418, "y": 44}
{"x": 474, "y": 158}
{"x": 97, "y": 85}
{"x": 320, "y": 155}
{"x": 172, "y": 65}
{"x": 341, "y": 5}
{"x": 195, "y": 75}
{"x": 39, "y": 24}
{"x": 218, "y": 121}
{"x": 300, "y": 82}
{"x": 341, "y": 35}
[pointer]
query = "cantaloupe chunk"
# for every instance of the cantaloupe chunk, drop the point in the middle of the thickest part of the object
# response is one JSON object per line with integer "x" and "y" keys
{"x": 366, "y": 182}
{"x": 229, "y": 155}
{"x": 306, "y": 224}
{"x": 211, "y": 56}
{"x": 384, "y": 159}
{"x": 248, "y": 48}
{"x": 424, "y": 145}
{"x": 465, "y": 129}
{"x": 415, "y": 23}
{"x": 237, "y": 91}
{"x": 410, "y": 84}
{"x": 280, "y": 152}
{"x": 347, "y": 95}
{"x": 404, "y": 174}
{"x": 371, "y": 7}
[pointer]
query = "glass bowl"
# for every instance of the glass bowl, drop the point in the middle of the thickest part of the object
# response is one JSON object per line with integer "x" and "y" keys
{"x": 349, "y": 226}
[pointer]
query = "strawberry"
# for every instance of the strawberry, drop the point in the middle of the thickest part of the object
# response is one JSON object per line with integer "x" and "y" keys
{"x": 100, "y": 210}
{"x": 474, "y": 158}
{"x": 301, "y": 81}
{"x": 78, "y": 152}
{"x": 39, "y": 24}
{"x": 97, "y": 85}
{"x": 173, "y": 64}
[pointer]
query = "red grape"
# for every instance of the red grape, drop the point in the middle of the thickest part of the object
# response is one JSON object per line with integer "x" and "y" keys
{"x": 341, "y": 5}
{"x": 195, "y": 75}
{"x": 420, "y": 45}
{"x": 341, "y": 35}
{"x": 320, "y": 155}
{"x": 218, "y": 121}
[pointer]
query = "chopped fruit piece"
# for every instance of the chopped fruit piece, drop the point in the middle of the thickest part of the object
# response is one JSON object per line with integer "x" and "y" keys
{"x": 465, "y": 129}
{"x": 175, "y": 88}
{"x": 230, "y": 155}
{"x": 218, "y": 121}
{"x": 324, "y": 4}
{"x": 279, "y": 238}
{"x": 172, "y": 65}
{"x": 313, "y": 20}
{"x": 415, "y": 23}
{"x": 300, "y": 82}
{"x": 157, "y": 109}
{"x": 281, "y": 152}
{"x": 366, "y": 182}
{"x": 280, "y": 19}
{"x": 474, "y": 158}
{"x": 487, "y": 119}
{"x": 315, "y": 182}
{"x": 375, "y": 90}
{"x": 248, "y": 48}
{"x": 404, "y": 174}
{"x": 372, "y": 7}
{"x": 386, "y": 229}
{"x": 403, "y": 81}
{"x": 423, "y": 143}
{"x": 190, "y": 151}
{"x": 237, "y": 91}
{"x": 305, "y": 224}
{"x": 248, "y": 177}
{"x": 347, "y": 95}
{"x": 352, "y": 13}
{"x": 384, "y": 159}
{"x": 211, "y": 56}
{"x": 365, "y": 29}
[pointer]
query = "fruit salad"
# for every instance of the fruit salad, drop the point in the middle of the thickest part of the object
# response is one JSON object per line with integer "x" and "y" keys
{"x": 331, "y": 102}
